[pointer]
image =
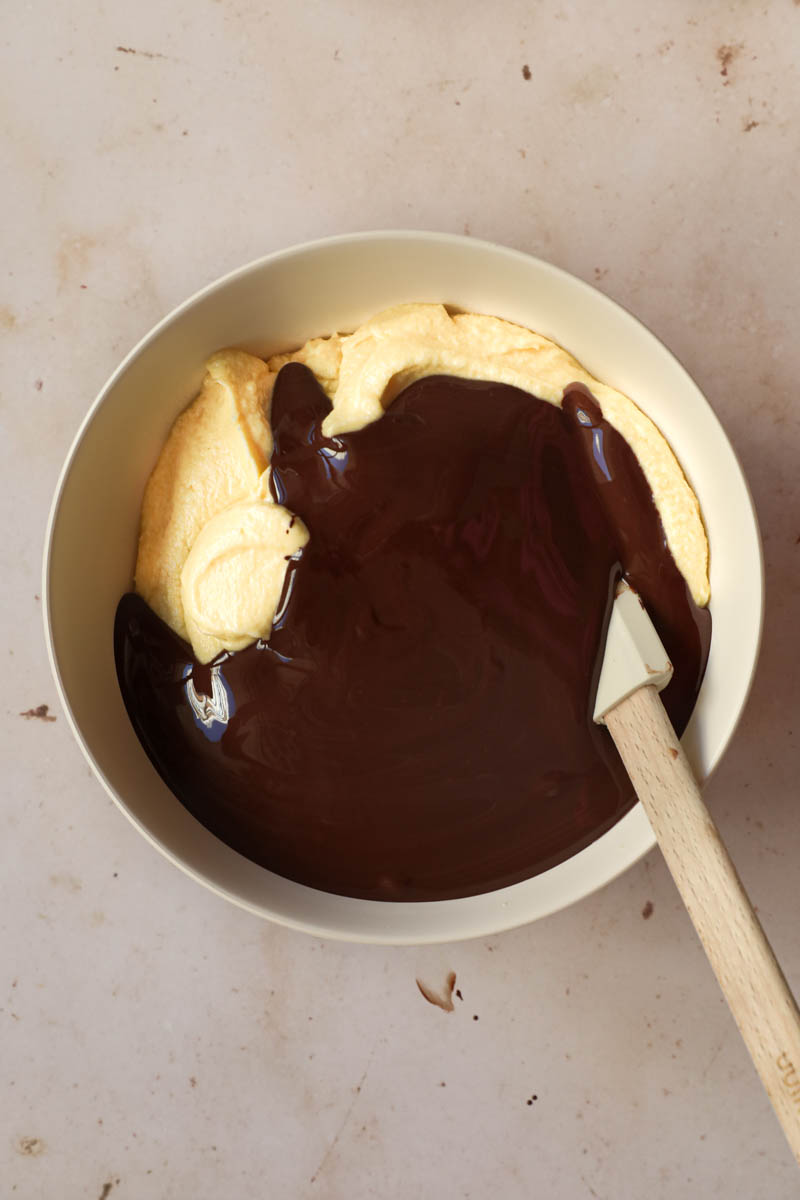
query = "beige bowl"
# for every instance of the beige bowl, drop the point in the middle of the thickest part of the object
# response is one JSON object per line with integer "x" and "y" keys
{"x": 277, "y": 303}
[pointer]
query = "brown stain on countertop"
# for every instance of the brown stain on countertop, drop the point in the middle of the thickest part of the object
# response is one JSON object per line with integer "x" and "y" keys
{"x": 73, "y": 259}
{"x": 70, "y": 883}
{"x": 30, "y": 1147}
{"x": 596, "y": 85}
{"x": 40, "y": 713}
{"x": 443, "y": 1000}
{"x": 140, "y": 53}
{"x": 8, "y": 318}
{"x": 269, "y": 996}
{"x": 81, "y": 261}
{"x": 726, "y": 56}
{"x": 647, "y": 911}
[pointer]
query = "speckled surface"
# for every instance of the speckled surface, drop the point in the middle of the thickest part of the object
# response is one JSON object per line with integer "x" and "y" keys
{"x": 158, "y": 1043}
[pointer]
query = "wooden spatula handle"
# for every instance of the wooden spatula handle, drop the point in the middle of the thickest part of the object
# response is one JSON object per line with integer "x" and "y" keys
{"x": 723, "y": 916}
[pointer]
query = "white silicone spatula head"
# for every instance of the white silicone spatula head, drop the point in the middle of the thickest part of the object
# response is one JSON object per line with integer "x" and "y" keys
{"x": 634, "y": 655}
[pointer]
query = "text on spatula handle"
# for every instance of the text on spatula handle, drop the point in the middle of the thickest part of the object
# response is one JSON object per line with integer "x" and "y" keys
{"x": 789, "y": 1077}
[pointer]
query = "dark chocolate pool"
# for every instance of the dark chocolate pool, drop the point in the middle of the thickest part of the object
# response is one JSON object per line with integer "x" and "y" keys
{"x": 419, "y": 726}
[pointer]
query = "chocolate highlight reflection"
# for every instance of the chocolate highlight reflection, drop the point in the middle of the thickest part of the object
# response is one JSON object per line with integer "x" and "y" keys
{"x": 419, "y": 726}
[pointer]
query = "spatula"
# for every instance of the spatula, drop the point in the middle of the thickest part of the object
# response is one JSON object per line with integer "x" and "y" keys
{"x": 635, "y": 669}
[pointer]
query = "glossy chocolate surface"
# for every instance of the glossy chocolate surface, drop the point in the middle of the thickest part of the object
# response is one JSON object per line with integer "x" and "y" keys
{"x": 419, "y": 725}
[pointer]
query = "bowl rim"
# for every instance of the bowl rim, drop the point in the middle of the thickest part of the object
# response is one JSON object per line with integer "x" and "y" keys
{"x": 634, "y": 823}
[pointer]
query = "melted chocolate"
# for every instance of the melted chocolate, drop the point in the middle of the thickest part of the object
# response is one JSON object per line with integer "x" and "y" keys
{"x": 419, "y": 725}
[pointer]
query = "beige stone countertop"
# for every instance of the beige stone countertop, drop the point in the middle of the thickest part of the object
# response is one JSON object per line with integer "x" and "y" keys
{"x": 159, "y": 1044}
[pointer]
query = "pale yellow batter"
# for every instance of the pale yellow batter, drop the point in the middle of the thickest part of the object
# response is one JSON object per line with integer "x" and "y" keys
{"x": 213, "y": 547}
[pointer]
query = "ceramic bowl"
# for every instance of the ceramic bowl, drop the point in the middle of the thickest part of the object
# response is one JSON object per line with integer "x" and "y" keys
{"x": 276, "y": 303}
